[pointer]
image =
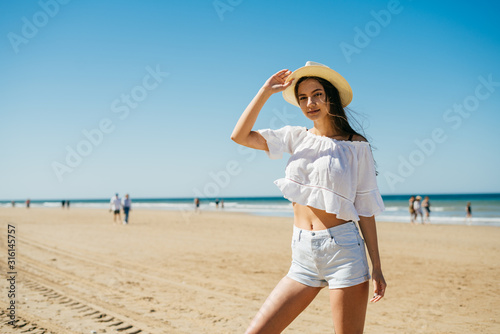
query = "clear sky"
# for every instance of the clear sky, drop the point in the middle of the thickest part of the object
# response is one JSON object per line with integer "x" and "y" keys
{"x": 100, "y": 97}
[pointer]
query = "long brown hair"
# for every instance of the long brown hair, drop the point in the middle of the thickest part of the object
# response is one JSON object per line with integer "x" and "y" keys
{"x": 337, "y": 114}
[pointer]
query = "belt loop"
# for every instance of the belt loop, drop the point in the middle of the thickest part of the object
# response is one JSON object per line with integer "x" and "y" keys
{"x": 300, "y": 233}
{"x": 330, "y": 233}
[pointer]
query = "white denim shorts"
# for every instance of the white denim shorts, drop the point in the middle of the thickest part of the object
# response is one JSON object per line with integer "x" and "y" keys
{"x": 334, "y": 257}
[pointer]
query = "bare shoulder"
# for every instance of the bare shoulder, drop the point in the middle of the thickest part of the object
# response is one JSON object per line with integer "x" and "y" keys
{"x": 358, "y": 138}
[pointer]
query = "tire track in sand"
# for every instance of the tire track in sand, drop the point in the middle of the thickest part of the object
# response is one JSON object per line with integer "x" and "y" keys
{"x": 57, "y": 280}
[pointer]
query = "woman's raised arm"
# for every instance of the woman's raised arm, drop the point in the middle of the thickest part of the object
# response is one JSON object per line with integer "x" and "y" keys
{"x": 242, "y": 133}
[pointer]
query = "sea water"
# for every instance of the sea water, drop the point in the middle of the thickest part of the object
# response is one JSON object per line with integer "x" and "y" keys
{"x": 445, "y": 208}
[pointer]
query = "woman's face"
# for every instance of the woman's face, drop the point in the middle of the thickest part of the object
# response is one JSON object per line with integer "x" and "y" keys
{"x": 312, "y": 100}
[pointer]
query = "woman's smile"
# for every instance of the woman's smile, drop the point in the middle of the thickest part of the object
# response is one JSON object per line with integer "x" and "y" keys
{"x": 312, "y": 99}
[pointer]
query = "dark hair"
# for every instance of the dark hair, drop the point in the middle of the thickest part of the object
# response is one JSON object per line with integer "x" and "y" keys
{"x": 338, "y": 117}
{"x": 337, "y": 113}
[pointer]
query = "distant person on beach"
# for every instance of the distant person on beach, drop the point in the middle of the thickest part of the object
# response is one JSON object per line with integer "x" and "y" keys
{"x": 330, "y": 179}
{"x": 196, "y": 204}
{"x": 417, "y": 206}
{"x": 411, "y": 209}
{"x": 468, "y": 213}
{"x": 216, "y": 203}
{"x": 13, "y": 204}
{"x": 115, "y": 204}
{"x": 67, "y": 204}
{"x": 28, "y": 202}
{"x": 426, "y": 204}
{"x": 222, "y": 204}
{"x": 63, "y": 204}
{"x": 127, "y": 206}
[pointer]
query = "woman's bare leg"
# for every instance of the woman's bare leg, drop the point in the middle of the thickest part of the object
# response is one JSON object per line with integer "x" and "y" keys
{"x": 349, "y": 308}
{"x": 288, "y": 299}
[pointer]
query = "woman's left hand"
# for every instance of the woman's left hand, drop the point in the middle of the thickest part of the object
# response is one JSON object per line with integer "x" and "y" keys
{"x": 379, "y": 285}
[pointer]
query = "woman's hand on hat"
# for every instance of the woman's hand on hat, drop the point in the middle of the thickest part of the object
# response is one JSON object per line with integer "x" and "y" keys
{"x": 277, "y": 83}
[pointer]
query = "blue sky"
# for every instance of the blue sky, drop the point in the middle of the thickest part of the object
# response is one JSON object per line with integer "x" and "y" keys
{"x": 158, "y": 87}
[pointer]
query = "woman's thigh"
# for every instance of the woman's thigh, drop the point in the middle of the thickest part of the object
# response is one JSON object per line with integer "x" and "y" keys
{"x": 288, "y": 299}
{"x": 349, "y": 308}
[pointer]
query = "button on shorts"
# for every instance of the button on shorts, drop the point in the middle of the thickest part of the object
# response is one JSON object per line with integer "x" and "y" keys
{"x": 334, "y": 257}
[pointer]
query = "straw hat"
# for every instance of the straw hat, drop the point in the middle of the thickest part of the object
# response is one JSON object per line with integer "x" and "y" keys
{"x": 419, "y": 198}
{"x": 313, "y": 69}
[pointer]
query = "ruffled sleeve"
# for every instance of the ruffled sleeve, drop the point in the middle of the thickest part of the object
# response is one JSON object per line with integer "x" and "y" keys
{"x": 280, "y": 140}
{"x": 368, "y": 201}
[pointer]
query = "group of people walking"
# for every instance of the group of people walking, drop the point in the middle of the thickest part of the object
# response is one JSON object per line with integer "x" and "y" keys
{"x": 116, "y": 204}
{"x": 422, "y": 208}
{"x": 417, "y": 208}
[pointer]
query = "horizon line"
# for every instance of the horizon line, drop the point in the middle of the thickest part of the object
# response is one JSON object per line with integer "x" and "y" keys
{"x": 230, "y": 197}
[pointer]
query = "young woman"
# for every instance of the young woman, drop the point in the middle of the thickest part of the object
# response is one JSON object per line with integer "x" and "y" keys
{"x": 330, "y": 179}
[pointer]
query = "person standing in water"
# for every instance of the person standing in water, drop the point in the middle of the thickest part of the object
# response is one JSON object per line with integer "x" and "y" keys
{"x": 411, "y": 209}
{"x": 417, "y": 206}
{"x": 468, "y": 213}
{"x": 426, "y": 204}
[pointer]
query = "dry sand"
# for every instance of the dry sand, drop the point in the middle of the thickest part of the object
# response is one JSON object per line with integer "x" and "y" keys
{"x": 180, "y": 272}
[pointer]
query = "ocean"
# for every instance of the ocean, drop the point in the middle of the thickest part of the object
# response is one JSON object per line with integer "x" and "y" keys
{"x": 445, "y": 208}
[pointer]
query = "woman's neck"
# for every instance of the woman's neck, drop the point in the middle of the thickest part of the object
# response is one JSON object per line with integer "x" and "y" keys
{"x": 326, "y": 129}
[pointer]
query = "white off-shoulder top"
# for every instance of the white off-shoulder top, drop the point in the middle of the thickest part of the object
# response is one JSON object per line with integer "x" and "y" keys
{"x": 336, "y": 176}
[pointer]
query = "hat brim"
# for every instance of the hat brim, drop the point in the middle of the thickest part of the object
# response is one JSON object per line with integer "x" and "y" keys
{"x": 324, "y": 72}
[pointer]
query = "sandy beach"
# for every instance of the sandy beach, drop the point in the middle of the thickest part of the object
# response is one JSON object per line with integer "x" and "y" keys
{"x": 181, "y": 272}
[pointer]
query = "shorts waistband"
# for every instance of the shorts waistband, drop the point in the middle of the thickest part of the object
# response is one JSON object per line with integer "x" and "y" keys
{"x": 328, "y": 233}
